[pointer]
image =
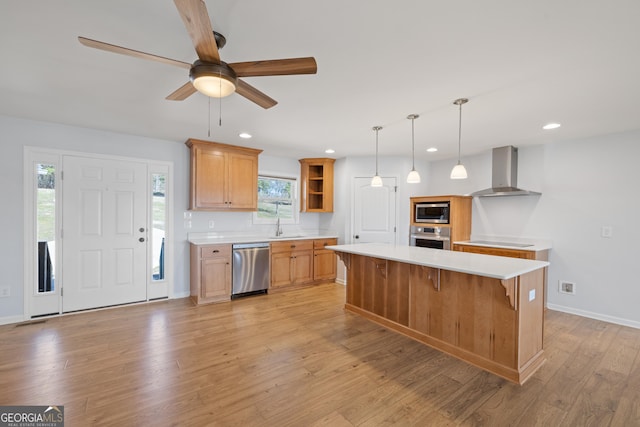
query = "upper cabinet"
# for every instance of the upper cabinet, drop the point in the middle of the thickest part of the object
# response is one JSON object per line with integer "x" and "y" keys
{"x": 316, "y": 192}
{"x": 223, "y": 177}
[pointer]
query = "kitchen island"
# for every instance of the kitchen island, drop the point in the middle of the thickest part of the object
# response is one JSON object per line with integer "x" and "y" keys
{"x": 485, "y": 310}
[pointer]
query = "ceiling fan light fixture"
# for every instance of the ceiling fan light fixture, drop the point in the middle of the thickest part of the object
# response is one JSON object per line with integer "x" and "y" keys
{"x": 214, "y": 80}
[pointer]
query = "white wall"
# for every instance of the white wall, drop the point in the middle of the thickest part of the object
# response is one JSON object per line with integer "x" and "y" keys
{"x": 15, "y": 134}
{"x": 585, "y": 184}
{"x": 346, "y": 169}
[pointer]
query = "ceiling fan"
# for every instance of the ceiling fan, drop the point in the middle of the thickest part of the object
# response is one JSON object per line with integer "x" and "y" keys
{"x": 209, "y": 74}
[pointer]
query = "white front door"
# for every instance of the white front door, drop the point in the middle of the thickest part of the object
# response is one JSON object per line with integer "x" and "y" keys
{"x": 104, "y": 230}
{"x": 374, "y": 211}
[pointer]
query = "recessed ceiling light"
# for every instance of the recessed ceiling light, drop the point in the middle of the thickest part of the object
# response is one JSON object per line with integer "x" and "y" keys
{"x": 432, "y": 150}
{"x": 245, "y": 135}
{"x": 551, "y": 126}
{"x": 329, "y": 151}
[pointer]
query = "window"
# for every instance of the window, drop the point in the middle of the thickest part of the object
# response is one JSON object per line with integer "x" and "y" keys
{"x": 46, "y": 225}
{"x": 159, "y": 219}
{"x": 276, "y": 199}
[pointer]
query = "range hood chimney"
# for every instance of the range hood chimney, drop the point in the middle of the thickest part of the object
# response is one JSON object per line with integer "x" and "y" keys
{"x": 504, "y": 179}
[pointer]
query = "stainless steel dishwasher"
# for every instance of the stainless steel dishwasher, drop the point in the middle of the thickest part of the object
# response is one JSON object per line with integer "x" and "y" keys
{"x": 250, "y": 269}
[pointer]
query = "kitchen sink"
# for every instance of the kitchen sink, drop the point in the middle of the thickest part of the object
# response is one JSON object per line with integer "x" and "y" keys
{"x": 288, "y": 236}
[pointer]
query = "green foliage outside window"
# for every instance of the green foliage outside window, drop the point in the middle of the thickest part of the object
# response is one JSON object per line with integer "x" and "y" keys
{"x": 276, "y": 198}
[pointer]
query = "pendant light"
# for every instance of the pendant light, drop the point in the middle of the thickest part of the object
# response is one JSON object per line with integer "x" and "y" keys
{"x": 459, "y": 171}
{"x": 376, "y": 181}
{"x": 414, "y": 176}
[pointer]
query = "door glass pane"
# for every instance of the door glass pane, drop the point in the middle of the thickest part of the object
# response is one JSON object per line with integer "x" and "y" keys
{"x": 46, "y": 226}
{"x": 159, "y": 219}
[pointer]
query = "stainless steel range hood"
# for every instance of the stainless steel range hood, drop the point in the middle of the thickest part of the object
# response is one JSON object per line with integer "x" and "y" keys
{"x": 504, "y": 180}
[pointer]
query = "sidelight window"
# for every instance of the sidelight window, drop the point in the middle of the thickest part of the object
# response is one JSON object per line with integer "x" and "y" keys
{"x": 46, "y": 225}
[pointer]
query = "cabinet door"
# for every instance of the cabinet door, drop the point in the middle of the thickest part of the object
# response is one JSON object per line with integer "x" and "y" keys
{"x": 210, "y": 179}
{"x": 242, "y": 182}
{"x": 302, "y": 267}
{"x": 281, "y": 269}
{"x": 215, "y": 278}
{"x": 324, "y": 265}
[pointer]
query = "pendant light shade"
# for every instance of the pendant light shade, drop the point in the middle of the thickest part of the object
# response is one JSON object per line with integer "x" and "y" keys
{"x": 414, "y": 176}
{"x": 459, "y": 171}
{"x": 376, "y": 181}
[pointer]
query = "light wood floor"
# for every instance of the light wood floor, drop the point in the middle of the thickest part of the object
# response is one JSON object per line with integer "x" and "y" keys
{"x": 298, "y": 359}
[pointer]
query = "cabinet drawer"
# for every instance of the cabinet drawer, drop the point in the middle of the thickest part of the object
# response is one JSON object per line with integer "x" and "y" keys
{"x": 291, "y": 245}
{"x": 212, "y": 251}
{"x": 321, "y": 243}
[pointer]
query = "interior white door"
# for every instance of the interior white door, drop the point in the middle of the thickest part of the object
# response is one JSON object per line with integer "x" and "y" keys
{"x": 104, "y": 230}
{"x": 374, "y": 211}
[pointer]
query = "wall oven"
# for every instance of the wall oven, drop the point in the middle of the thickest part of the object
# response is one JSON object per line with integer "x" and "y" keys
{"x": 430, "y": 237}
{"x": 433, "y": 212}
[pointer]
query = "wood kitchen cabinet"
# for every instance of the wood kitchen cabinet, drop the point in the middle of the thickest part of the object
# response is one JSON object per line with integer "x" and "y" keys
{"x": 540, "y": 255}
{"x": 291, "y": 263}
{"x": 324, "y": 260}
{"x": 223, "y": 177}
{"x": 210, "y": 273}
{"x": 316, "y": 192}
{"x": 496, "y": 324}
{"x": 459, "y": 215}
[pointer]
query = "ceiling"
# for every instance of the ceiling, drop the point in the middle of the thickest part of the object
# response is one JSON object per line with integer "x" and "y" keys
{"x": 522, "y": 64}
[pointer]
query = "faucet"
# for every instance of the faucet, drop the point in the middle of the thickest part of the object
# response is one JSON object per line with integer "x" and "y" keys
{"x": 279, "y": 231}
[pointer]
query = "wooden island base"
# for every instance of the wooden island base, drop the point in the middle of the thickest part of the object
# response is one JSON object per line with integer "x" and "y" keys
{"x": 494, "y": 324}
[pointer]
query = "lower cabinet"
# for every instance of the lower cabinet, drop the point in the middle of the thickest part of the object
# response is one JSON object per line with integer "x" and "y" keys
{"x": 297, "y": 263}
{"x": 291, "y": 263}
{"x": 325, "y": 261}
{"x": 210, "y": 273}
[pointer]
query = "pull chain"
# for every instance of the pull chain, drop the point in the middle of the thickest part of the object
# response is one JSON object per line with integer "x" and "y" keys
{"x": 209, "y": 117}
{"x": 220, "y": 100}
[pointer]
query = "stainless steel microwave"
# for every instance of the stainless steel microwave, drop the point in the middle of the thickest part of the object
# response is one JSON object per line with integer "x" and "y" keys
{"x": 433, "y": 213}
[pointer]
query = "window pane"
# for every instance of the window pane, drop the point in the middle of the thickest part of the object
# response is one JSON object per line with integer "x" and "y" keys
{"x": 46, "y": 226}
{"x": 159, "y": 218}
{"x": 276, "y": 198}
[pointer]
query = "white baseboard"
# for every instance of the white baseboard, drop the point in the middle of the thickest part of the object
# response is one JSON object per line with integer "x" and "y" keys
{"x": 11, "y": 319}
{"x": 178, "y": 295}
{"x": 341, "y": 282}
{"x": 597, "y": 316}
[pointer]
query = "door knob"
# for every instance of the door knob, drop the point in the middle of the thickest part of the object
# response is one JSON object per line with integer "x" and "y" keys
{"x": 142, "y": 229}
{"x": 356, "y": 236}
{"x": 141, "y": 239}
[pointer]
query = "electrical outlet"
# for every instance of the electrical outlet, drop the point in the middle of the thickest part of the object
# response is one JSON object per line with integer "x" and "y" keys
{"x": 532, "y": 295}
{"x": 211, "y": 223}
{"x": 5, "y": 291}
{"x": 565, "y": 287}
{"x": 607, "y": 231}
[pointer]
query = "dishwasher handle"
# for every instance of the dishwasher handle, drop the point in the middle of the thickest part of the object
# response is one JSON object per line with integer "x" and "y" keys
{"x": 251, "y": 245}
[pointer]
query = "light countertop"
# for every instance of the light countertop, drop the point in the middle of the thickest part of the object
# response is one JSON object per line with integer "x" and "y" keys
{"x": 214, "y": 239}
{"x": 494, "y": 242}
{"x": 496, "y": 267}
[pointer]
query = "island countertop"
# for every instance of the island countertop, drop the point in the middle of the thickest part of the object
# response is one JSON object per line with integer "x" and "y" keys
{"x": 496, "y": 267}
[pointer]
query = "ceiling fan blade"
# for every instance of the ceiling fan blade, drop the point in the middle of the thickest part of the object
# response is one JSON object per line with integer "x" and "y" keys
{"x": 182, "y": 93}
{"x": 130, "y": 52}
{"x": 196, "y": 20}
{"x": 254, "y": 95}
{"x": 275, "y": 67}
